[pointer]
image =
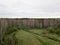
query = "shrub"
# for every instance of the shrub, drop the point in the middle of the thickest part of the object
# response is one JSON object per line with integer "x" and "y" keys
{"x": 54, "y": 30}
{"x": 10, "y": 29}
{"x": 7, "y": 39}
{"x": 22, "y": 27}
{"x": 57, "y": 31}
{"x": 10, "y": 40}
{"x": 13, "y": 28}
{"x": 51, "y": 29}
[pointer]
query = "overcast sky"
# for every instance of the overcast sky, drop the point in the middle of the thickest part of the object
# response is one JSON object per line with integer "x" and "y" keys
{"x": 29, "y": 8}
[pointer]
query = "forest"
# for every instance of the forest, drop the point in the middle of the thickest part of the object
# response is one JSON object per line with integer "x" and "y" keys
{"x": 29, "y": 31}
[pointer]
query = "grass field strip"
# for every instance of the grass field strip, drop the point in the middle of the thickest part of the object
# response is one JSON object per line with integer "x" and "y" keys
{"x": 27, "y": 38}
{"x": 46, "y": 36}
{"x": 42, "y": 41}
{"x": 38, "y": 37}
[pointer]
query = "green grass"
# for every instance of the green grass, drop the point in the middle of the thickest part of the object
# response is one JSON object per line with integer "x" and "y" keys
{"x": 28, "y": 38}
{"x": 44, "y": 35}
{"x": 25, "y": 38}
{"x": 34, "y": 37}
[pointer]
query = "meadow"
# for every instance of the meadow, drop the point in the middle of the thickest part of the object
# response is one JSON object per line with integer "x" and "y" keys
{"x": 22, "y": 35}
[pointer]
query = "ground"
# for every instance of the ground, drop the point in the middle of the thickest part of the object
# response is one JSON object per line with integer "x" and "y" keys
{"x": 36, "y": 37}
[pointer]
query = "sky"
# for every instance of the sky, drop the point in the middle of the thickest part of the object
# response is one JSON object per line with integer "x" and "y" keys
{"x": 29, "y": 8}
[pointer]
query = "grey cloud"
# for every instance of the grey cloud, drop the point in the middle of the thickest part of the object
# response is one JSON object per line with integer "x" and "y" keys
{"x": 2, "y": 6}
{"x": 32, "y": 8}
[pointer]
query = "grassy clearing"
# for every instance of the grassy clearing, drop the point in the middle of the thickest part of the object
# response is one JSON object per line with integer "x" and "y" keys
{"x": 34, "y": 37}
{"x": 44, "y": 35}
{"x": 25, "y": 38}
{"x": 28, "y": 38}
